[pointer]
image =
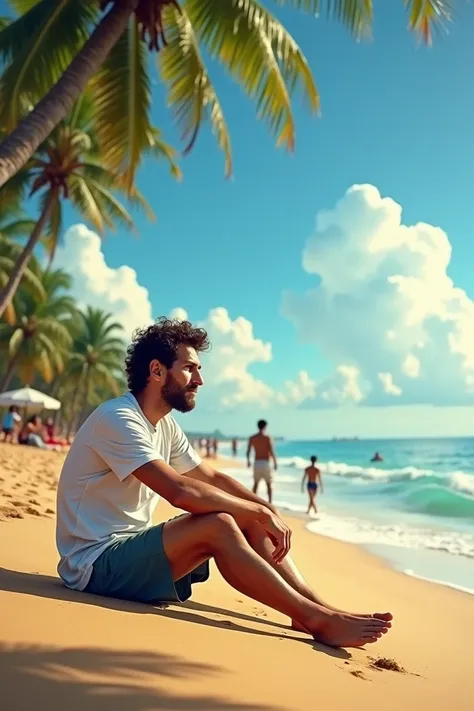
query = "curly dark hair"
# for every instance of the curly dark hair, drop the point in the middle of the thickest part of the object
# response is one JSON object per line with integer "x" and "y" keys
{"x": 160, "y": 341}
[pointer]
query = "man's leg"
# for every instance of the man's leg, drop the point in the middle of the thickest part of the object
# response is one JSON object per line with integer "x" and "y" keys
{"x": 190, "y": 540}
{"x": 269, "y": 491}
{"x": 288, "y": 570}
{"x": 256, "y": 480}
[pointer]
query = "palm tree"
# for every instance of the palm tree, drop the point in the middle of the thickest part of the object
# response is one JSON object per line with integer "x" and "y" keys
{"x": 39, "y": 340}
{"x": 68, "y": 165}
{"x": 11, "y": 227}
{"x": 97, "y": 358}
{"x": 54, "y": 50}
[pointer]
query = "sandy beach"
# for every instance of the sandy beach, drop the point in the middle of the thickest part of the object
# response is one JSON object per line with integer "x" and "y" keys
{"x": 66, "y": 650}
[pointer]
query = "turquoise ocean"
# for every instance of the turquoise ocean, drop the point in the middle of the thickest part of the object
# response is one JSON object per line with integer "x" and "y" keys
{"x": 415, "y": 509}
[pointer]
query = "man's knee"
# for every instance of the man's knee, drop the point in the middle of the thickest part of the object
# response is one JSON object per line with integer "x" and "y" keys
{"x": 221, "y": 524}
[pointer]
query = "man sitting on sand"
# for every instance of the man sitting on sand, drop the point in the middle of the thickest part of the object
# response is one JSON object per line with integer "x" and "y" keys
{"x": 262, "y": 444}
{"x": 131, "y": 451}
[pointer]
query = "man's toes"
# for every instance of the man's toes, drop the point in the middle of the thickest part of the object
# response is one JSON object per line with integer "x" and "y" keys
{"x": 375, "y": 625}
{"x": 387, "y": 616}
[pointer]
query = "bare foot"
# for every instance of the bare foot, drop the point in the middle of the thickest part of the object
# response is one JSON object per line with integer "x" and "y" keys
{"x": 385, "y": 616}
{"x": 341, "y": 630}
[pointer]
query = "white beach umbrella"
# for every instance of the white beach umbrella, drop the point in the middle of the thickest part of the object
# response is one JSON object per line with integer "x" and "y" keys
{"x": 30, "y": 398}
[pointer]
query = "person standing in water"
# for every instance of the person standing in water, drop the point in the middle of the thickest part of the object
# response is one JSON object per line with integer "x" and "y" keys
{"x": 313, "y": 475}
{"x": 262, "y": 444}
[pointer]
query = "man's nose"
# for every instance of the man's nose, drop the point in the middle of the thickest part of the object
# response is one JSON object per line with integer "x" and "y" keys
{"x": 199, "y": 380}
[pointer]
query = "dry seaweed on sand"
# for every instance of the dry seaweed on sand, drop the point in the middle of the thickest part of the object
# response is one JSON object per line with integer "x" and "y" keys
{"x": 387, "y": 664}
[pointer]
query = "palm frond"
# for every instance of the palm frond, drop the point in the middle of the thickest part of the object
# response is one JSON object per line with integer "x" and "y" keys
{"x": 15, "y": 341}
{"x": 54, "y": 333}
{"x": 110, "y": 208}
{"x": 106, "y": 377}
{"x": 9, "y": 315}
{"x": 17, "y": 228}
{"x": 356, "y": 15}
{"x": 122, "y": 104}
{"x": 259, "y": 53}
{"x": 37, "y": 48}
{"x": 425, "y": 15}
{"x": 44, "y": 365}
{"x": 191, "y": 93}
{"x": 16, "y": 189}
{"x": 85, "y": 202}
{"x": 161, "y": 150}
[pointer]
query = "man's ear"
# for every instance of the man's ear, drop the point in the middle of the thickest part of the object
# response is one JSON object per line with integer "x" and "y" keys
{"x": 156, "y": 368}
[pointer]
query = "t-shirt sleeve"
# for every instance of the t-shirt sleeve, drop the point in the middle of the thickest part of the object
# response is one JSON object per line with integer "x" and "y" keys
{"x": 183, "y": 458}
{"x": 123, "y": 442}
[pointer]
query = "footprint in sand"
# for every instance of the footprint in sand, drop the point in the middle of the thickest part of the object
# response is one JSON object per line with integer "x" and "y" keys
{"x": 49, "y": 511}
{"x": 359, "y": 674}
{"x": 6, "y": 513}
{"x": 34, "y": 502}
{"x": 33, "y": 512}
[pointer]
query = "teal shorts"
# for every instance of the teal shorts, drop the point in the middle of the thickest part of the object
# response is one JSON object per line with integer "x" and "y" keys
{"x": 136, "y": 568}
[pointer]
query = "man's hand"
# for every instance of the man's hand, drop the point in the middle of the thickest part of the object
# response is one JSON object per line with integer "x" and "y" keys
{"x": 279, "y": 533}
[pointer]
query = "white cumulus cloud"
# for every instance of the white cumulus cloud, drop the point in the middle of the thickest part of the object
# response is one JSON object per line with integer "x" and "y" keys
{"x": 384, "y": 304}
{"x": 95, "y": 283}
{"x": 235, "y": 349}
{"x": 388, "y": 385}
{"x": 179, "y": 313}
{"x": 298, "y": 390}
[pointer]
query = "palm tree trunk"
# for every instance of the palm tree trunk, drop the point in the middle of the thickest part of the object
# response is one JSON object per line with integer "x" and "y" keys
{"x": 20, "y": 145}
{"x": 73, "y": 406}
{"x": 8, "y": 292}
{"x": 9, "y": 372}
{"x": 85, "y": 398}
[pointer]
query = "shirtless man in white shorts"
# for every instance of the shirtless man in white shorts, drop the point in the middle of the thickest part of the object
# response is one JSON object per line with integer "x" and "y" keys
{"x": 262, "y": 444}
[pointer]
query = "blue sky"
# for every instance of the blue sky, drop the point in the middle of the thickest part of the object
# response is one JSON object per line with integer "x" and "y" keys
{"x": 395, "y": 115}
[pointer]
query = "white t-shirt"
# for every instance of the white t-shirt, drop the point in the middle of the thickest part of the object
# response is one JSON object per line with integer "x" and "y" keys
{"x": 98, "y": 501}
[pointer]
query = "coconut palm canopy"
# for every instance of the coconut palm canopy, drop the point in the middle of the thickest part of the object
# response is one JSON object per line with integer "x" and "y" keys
{"x": 57, "y": 47}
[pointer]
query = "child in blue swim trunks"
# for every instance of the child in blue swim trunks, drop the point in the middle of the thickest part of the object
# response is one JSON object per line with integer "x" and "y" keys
{"x": 313, "y": 476}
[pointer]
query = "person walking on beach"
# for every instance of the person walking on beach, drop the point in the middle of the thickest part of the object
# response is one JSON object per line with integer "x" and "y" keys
{"x": 128, "y": 453}
{"x": 10, "y": 424}
{"x": 262, "y": 445}
{"x": 313, "y": 475}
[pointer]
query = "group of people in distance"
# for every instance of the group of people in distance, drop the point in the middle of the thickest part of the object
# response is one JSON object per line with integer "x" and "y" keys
{"x": 261, "y": 444}
{"x": 33, "y": 431}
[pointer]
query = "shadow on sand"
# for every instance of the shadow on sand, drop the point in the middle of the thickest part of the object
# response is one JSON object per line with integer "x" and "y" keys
{"x": 47, "y": 586}
{"x": 96, "y": 679}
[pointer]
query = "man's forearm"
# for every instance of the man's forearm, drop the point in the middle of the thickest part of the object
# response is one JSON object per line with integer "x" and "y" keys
{"x": 231, "y": 486}
{"x": 200, "y": 498}
{"x": 196, "y": 496}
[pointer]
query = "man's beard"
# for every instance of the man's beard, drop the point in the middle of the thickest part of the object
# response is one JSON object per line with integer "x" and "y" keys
{"x": 178, "y": 397}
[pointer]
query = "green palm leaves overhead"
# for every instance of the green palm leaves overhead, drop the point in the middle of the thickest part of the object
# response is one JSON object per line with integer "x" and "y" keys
{"x": 57, "y": 47}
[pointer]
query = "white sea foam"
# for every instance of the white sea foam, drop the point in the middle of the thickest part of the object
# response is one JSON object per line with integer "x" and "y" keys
{"x": 363, "y": 532}
{"x": 461, "y": 588}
